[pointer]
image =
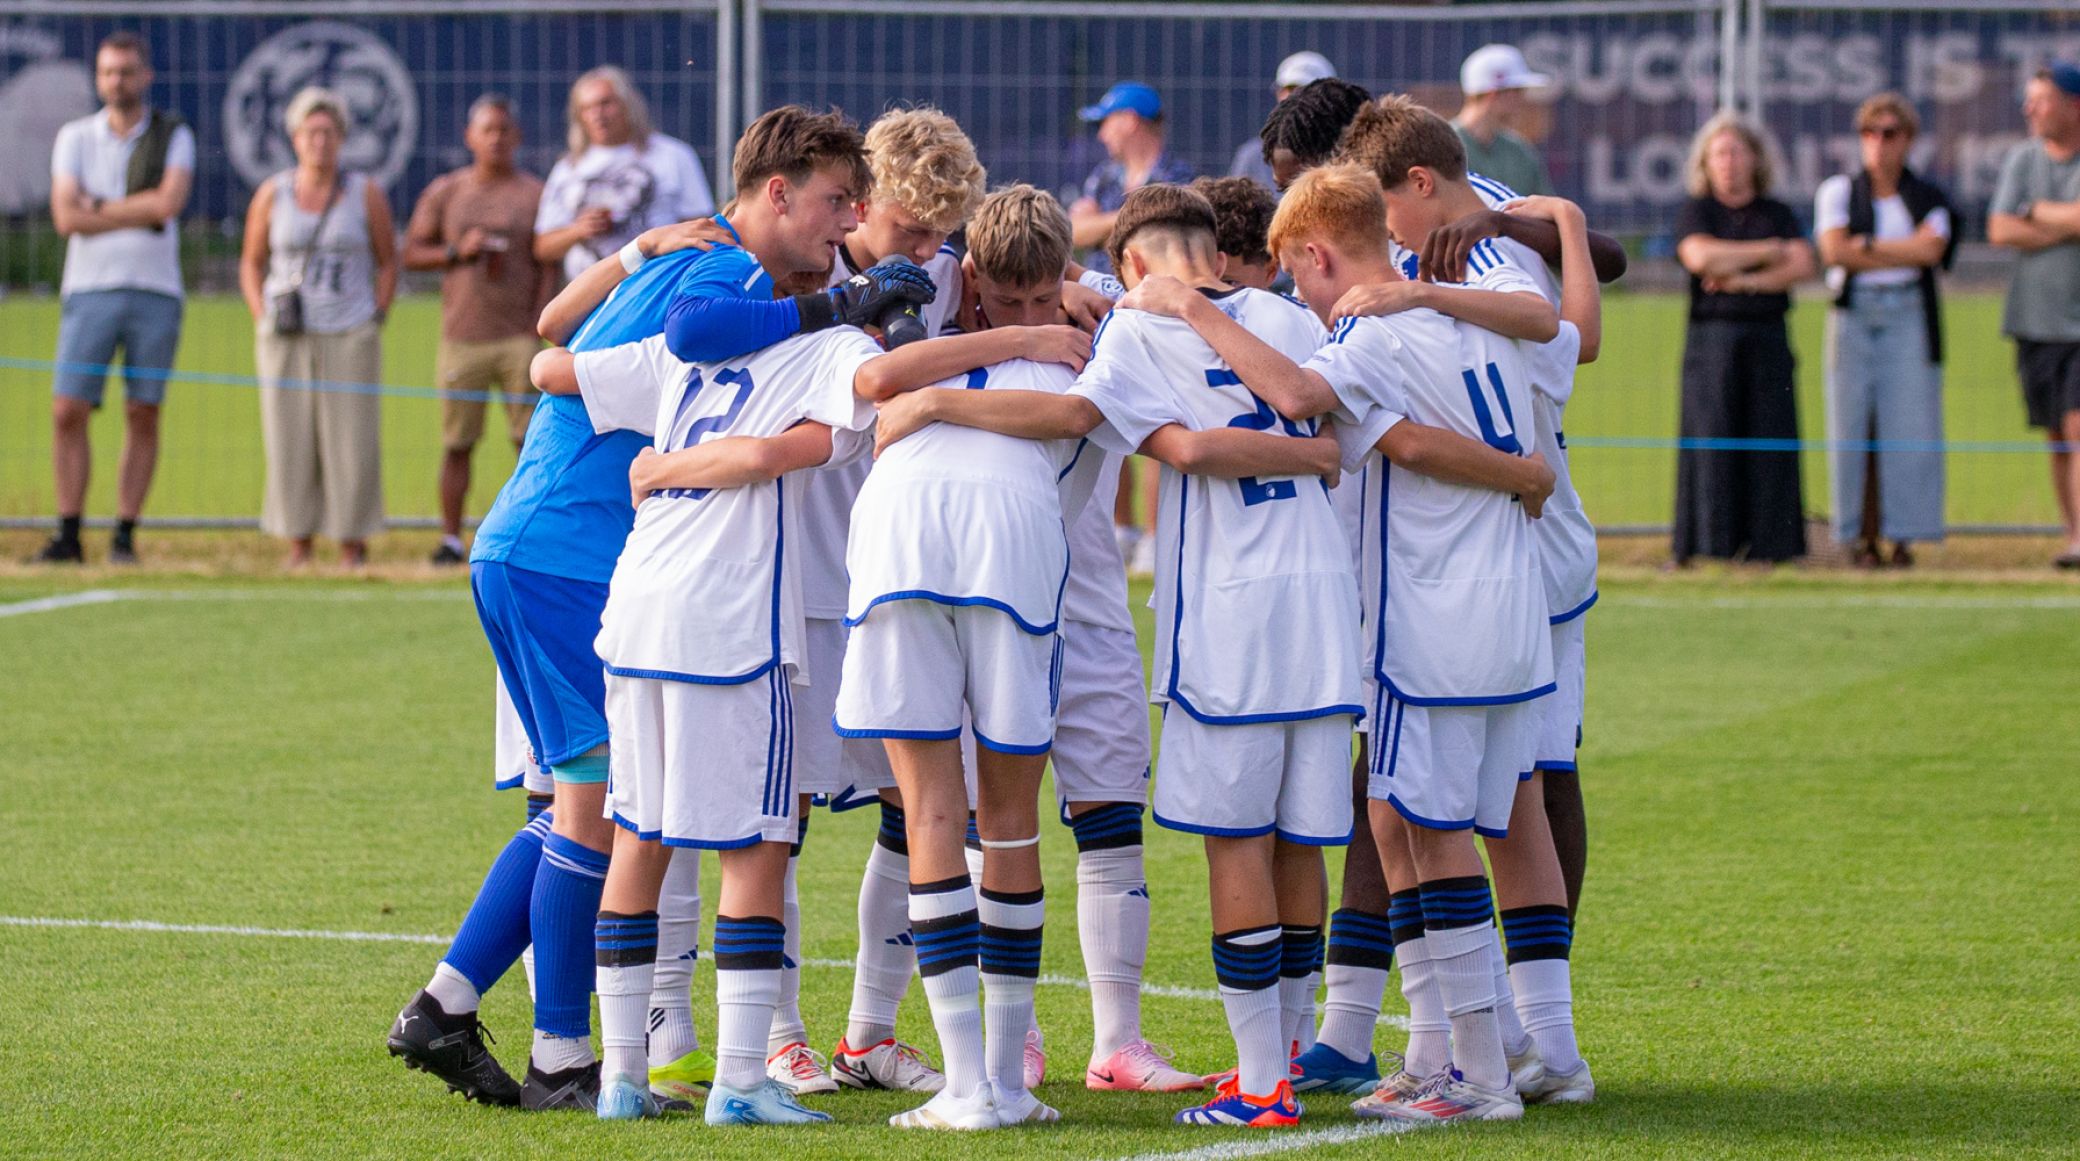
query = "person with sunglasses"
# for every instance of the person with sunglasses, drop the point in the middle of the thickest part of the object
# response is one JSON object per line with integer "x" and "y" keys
{"x": 1883, "y": 233}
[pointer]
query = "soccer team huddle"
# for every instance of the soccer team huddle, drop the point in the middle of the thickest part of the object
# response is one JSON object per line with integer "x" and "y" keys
{"x": 861, "y": 570}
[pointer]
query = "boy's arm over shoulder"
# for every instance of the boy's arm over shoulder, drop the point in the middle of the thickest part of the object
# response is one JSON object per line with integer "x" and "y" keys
{"x": 621, "y": 385}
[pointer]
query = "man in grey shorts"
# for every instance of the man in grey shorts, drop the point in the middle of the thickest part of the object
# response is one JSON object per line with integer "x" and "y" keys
{"x": 119, "y": 181}
{"x": 2036, "y": 211}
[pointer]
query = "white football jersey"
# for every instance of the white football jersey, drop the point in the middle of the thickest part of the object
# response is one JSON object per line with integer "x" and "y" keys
{"x": 828, "y": 493}
{"x": 970, "y": 517}
{"x": 1097, "y": 592}
{"x": 1454, "y": 603}
{"x": 705, "y": 589}
{"x": 1566, "y": 536}
{"x": 1256, "y": 606}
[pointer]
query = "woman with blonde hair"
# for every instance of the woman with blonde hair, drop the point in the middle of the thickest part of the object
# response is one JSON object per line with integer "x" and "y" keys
{"x": 621, "y": 176}
{"x": 1883, "y": 232}
{"x": 1744, "y": 251}
{"x": 318, "y": 271}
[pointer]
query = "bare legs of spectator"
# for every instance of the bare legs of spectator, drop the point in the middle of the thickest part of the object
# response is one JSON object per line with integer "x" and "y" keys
{"x": 140, "y": 458}
{"x": 71, "y": 459}
{"x": 2065, "y": 484}
{"x": 455, "y": 465}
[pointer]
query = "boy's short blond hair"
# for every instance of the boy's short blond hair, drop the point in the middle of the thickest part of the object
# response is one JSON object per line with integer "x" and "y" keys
{"x": 1020, "y": 237}
{"x": 923, "y": 163}
{"x": 1340, "y": 204}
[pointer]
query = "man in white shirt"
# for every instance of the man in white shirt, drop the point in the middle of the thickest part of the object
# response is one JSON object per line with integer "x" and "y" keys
{"x": 621, "y": 177}
{"x": 119, "y": 181}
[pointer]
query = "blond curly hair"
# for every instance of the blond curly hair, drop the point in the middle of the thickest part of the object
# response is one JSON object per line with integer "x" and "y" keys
{"x": 923, "y": 163}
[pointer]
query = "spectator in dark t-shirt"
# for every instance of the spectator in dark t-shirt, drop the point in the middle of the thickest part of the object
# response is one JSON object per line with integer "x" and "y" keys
{"x": 1744, "y": 251}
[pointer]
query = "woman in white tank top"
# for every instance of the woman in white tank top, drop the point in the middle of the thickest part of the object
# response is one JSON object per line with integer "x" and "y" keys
{"x": 318, "y": 271}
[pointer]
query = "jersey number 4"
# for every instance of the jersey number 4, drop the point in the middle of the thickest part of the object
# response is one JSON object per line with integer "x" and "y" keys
{"x": 1255, "y": 491}
{"x": 741, "y": 379}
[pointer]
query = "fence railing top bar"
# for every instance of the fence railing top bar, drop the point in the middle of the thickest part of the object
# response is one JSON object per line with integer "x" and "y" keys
{"x": 336, "y": 8}
{"x": 1146, "y": 9}
{"x": 1961, "y": 7}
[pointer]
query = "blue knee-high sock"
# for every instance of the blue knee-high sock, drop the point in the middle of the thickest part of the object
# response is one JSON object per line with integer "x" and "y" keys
{"x": 495, "y": 931}
{"x": 564, "y": 911}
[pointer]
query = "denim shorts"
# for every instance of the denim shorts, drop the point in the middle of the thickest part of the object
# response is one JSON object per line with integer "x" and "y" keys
{"x": 94, "y": 324}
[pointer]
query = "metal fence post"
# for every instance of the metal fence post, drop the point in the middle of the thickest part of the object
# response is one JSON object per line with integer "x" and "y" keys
{"x": 753, "y": 65}
{"x": 1757, "y": 72}
{"x": 725, "y": 95}
{"x": 1729, "y": 54}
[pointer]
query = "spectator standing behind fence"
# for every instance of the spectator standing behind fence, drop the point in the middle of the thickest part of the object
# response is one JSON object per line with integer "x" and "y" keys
{"x": 1493, "y": 81}
{"x": 621, "y": 177}
{"x": 2036, "y": 210}
{"x": 318, "y": 272}
{"x": 1883, "y": 232}
{"x": 1744, "y": 251}
{"x": 476, "y": 226}
{"x": 1294, "y": 73}
{"x": 119, "y": 181}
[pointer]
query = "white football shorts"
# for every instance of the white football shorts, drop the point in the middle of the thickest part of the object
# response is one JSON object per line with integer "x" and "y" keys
{"x": 1101, "y": 729}
{"x": 1288, "y": 778}
{"x": 703, "y": 765}
{"x": 912, "y": 666}
{"x": 1451, "y": 767}
{"x": 845, "y": 770}
{"x": 512, "y": 759}
{"x": 1560, "y": 712}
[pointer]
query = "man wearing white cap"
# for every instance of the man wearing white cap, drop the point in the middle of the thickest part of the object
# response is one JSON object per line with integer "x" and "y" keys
{"x": 1294, "y": 73}
{"x": 1494, "y": 79}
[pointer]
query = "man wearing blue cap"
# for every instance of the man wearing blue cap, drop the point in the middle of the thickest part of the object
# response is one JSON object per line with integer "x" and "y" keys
{"x": 2036, "y": 211}
{"x": 1130, "y": 127}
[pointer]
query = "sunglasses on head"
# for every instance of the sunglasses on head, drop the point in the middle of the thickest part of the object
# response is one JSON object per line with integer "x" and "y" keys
{"x": 1883, "y": 132}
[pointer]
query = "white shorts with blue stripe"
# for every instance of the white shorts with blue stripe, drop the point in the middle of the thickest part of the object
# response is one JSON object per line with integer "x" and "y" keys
{"x": 512, "y": 759}
{"x": 912, "y": 666}
{"x": 1451, "y": 767}
{"x": 703, "y": 765}
{"x": 1289, "y": 778}
{"x": 1560, "y": 712}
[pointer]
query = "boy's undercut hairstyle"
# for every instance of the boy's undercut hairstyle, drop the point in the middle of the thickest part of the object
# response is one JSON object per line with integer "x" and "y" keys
{"x": 1020, "y": 237}
{"x": 1242, "y": 210}
{"x": 922, "y": 162}
{"x": 1309, "y": 123}
{"x": 793, "y": 142}
{"x": 1393, "y": 135}
{"x": 1340, "y": 204}
{"x": 1175, "y": 209}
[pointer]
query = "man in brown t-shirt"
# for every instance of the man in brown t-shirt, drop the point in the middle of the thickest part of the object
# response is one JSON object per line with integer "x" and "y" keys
{"x": 476, "y": 224}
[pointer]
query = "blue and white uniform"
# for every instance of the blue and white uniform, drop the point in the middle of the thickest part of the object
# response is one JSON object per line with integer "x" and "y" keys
{"x": 512, "y": 759}
{"x": 1454, "y": 601}
{"x": 849, "y": 772}
{"x": 1256, "y": 608}
{"x": 958, "y": 558}
{"x": 702, "y": 635}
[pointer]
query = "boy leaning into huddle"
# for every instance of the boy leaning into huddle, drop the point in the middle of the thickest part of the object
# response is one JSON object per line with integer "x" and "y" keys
{"x": 958, "y": 557}
{"x": 1257, "y": 709}
{"x": 1455, "y": 608}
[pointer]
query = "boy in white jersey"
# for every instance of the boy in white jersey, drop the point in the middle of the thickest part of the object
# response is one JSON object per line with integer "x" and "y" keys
{"x": 1422, "y": 168}
{"x": 1454, "y": 608}
{"x": 1257, "y": 709}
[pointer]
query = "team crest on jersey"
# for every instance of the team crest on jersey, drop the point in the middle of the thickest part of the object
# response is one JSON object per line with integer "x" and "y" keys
{"x": 382, "y": 106}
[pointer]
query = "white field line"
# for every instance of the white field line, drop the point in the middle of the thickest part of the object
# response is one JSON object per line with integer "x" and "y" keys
{"x": 1282, "y": 1143}
{"x": 67, "y": 601}
{"x": 1162, "y": 990}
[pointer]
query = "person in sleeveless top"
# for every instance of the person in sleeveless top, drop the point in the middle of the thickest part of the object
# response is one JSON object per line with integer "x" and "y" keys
{"x": 324, "y": 236}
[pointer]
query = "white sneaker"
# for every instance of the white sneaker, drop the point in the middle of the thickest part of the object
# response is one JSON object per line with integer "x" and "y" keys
{"x": 1400, "y": 1085}
{"x": 1023, "y": 1108}
{"x": 948, "y": 1112}
{"x": 1139, "y": 1066}
{"x": 767, "y": 1103}
{"x": 1557, "y": 1088}
{"x": 1527, "y": 1069}
{"x": 890, "y": 1064}
{"x": 799, "y": 1069}
{"x": 1450, "y": 1098}
{"x": 1143, "y": 562}
{"x": 1035, "y": 1069}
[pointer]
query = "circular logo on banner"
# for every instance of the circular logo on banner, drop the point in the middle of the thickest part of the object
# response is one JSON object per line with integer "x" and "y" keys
{"x": 382, "y": 106}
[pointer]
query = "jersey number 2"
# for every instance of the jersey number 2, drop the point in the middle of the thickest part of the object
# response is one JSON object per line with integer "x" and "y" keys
{"x": 706, "y": 424}
{"x": 1255, "y": 491}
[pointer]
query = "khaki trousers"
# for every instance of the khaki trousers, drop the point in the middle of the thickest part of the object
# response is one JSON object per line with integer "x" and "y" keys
{"x": 321, "y": 420}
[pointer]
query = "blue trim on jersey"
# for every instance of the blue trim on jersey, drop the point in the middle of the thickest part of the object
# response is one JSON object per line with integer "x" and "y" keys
{"x": 693, "y": 678}
{"x": 909, "y": 735}
{"x": 1503, "y": 699}
{"x": 1007, "y": 748}
{"x": 718, "y": 844}
{"x": 1215, "y": 831}
{"x": 1491, "y": 187}
{"x": 1528, "y": 775}
{"x": 1261, "y": 719}
{"x": 963, "y": 603}
{"x": 648, "y": 836}
{"x": 1073, "y": 461}
{"x": 1485, "y": 832}
{"x": 508, "y": 783}
{"x": 1427, "y": 823}
{"x": 843, "y": 800}
{"x": 1577, "y": 611}
{"x": 1555, "y": 765}
{"x": 1308, "y": 840}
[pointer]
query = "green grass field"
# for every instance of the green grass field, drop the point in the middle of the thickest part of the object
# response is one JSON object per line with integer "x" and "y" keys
{"x": 212, "y": 463}
{"x": 1833, "y": 905}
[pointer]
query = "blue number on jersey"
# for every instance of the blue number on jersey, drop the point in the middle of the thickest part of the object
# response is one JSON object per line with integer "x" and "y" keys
{"x": 1255, "y": 492}
{"x": 1505, "y": 438}
{"x": 977, "y": 379}
{"x": 701, "y": 427}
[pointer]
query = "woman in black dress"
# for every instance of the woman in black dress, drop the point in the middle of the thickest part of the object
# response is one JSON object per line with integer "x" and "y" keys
{"x": 1744, "y": 251}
